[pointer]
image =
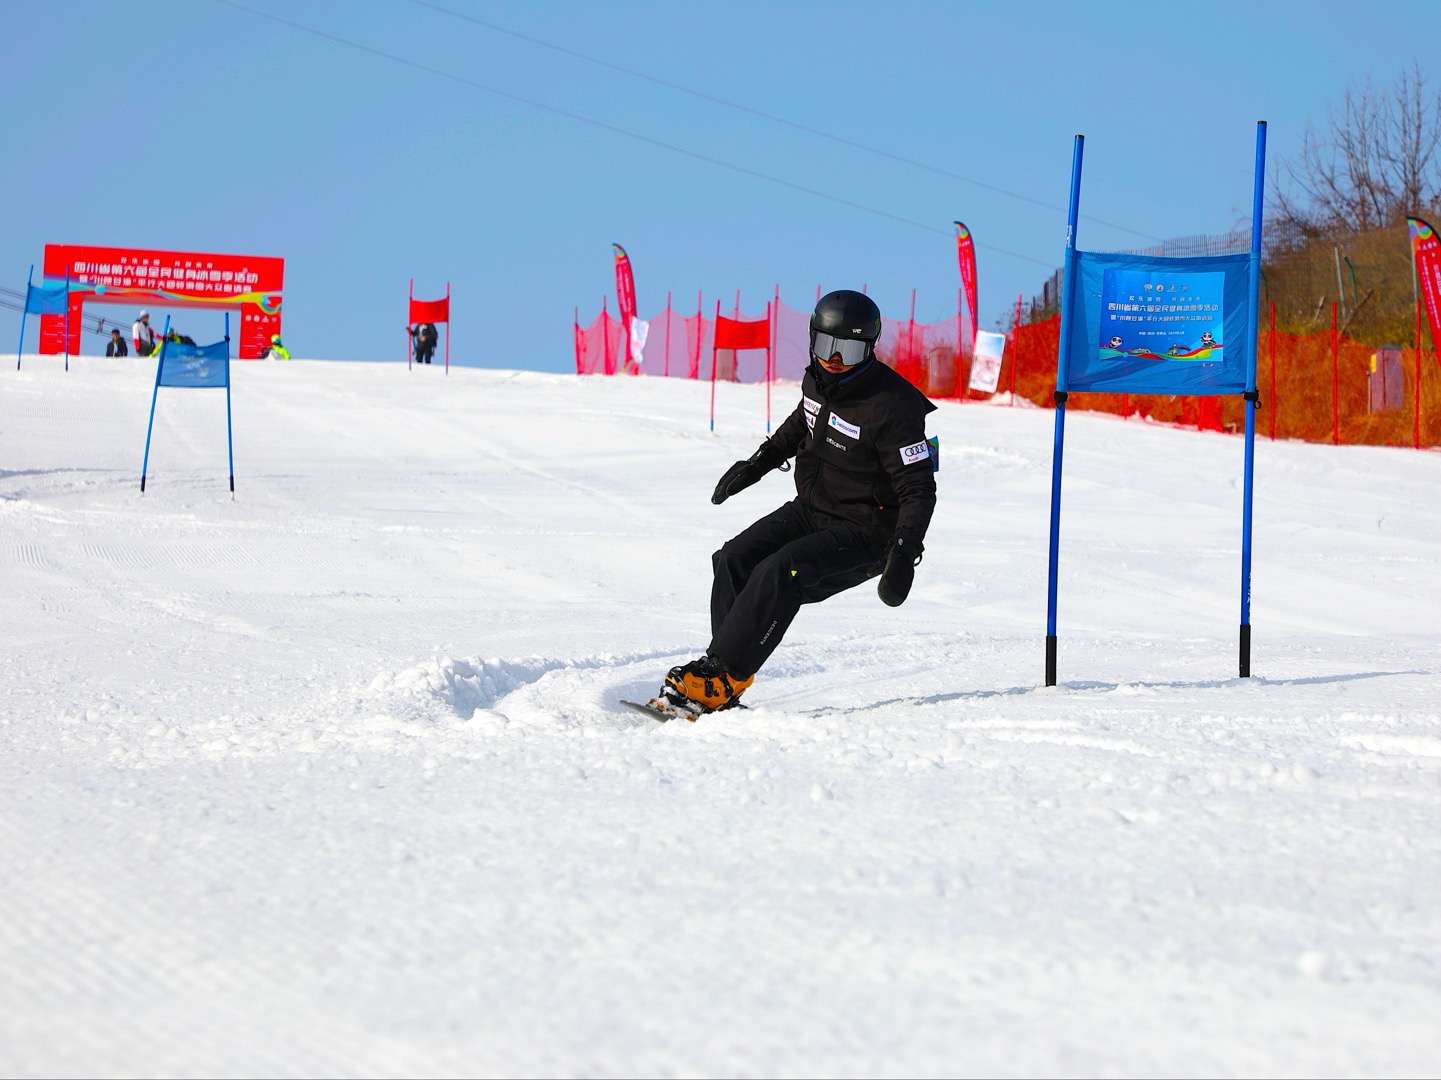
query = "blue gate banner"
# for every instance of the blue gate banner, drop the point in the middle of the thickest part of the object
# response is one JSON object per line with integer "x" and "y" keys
{"x": 46, "y": 299}
{"x": 1146, "y": 325}
{"x": 195, "y": 365}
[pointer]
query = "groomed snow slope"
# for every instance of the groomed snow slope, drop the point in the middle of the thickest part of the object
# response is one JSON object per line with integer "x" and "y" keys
{"x": 329, "y": 779}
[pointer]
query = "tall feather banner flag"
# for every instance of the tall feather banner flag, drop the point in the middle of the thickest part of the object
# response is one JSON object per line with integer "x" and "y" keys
{"x": 966, "y": 253}
{"x": 1426, "y": 252}
{"x": 625, "y": 300}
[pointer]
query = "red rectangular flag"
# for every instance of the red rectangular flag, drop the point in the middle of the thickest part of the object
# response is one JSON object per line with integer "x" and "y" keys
{"x": 432, "y": 311}
{"x": 966, "y": 254}
{"x": 735, "y": 334}
{"x": 1426, "y": 252}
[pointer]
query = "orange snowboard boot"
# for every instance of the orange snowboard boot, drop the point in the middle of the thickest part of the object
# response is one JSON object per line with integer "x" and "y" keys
{"x": 703, "y": 686}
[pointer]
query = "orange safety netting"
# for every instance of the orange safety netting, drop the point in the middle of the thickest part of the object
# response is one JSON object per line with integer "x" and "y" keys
{"x": 1316, "y": 387}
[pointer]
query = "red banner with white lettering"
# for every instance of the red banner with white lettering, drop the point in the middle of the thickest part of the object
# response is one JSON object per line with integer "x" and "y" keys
{"x": 966, "y": 254}
{"x": 140, "y": 277}
{"x": 1426, "y": 249}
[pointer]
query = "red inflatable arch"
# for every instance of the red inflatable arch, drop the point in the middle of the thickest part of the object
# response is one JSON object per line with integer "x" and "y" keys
{"x": 139, "y": 277}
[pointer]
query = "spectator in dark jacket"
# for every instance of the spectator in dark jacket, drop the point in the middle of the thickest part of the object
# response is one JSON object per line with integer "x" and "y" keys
{"x": 116, "y": 345}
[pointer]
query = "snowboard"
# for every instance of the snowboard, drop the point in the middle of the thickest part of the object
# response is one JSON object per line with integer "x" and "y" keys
{"x": 659, "y": 712}
{"x": 663, "y": 711}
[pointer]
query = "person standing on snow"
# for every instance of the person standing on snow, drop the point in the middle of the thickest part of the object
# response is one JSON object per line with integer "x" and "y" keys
{"x": 425, "y": 336}
{"x": 277, "y": 351}
{"x": 865, "y": 492}
{"x": 142, "y": 335}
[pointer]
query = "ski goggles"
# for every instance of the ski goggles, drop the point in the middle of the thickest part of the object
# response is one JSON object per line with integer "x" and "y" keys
{"x": 825, "y": 347}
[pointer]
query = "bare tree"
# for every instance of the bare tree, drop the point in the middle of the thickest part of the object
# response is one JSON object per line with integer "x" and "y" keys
{"x": 1375, "y": 161}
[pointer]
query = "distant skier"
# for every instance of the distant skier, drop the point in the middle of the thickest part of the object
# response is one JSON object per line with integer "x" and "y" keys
{"x": 276, "y": 351}
{"x": 865, "y": 491}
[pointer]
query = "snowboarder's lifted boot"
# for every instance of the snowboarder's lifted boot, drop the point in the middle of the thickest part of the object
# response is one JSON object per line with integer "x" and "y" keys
{"x": 703, "y": 686}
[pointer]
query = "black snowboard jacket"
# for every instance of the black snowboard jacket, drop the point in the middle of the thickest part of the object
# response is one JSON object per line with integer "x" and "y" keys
{"x": 860, "y": 450}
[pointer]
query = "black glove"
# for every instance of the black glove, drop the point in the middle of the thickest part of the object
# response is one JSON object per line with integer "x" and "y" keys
{"x": 902, "y": 557}
{"x": 743, "y": 474}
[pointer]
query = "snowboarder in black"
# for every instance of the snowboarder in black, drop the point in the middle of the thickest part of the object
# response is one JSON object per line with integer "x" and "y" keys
{"x": 865, "y": 491}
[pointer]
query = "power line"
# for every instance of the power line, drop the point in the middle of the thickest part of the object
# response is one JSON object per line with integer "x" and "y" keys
{"x": 616, "y": 130}
{"x": 772, "y": 117}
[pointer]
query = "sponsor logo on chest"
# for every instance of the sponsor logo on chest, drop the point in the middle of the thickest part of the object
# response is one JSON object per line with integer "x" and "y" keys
{"x": 843, "y": 427}
{"x": 811, "y": 407}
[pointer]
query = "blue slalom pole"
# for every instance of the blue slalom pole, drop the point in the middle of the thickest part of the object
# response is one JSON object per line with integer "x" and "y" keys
{"x": 1063, "y": 363}
{"x": 229, "y": 435}
{"x": 30, "y": 277}
{"x": 159, "y": 368}
{"x": 1248, "y": 487}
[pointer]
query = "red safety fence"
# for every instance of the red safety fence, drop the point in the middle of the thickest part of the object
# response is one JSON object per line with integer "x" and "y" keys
{"x": 1320, "y": 387}
{"x": 931, "y": 355}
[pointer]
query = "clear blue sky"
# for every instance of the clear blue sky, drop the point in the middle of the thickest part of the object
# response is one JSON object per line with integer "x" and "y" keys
{"x": 200, "y": 126}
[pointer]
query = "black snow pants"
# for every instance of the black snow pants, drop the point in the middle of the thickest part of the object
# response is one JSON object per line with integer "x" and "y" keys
{"x": 790, "y": 557}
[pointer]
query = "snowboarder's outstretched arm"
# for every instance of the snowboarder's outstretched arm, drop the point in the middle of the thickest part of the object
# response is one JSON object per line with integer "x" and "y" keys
{"x": 771, "y": 454}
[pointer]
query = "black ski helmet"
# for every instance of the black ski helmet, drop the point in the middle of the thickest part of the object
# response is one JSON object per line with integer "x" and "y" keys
{"x": 847, "y": 314}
